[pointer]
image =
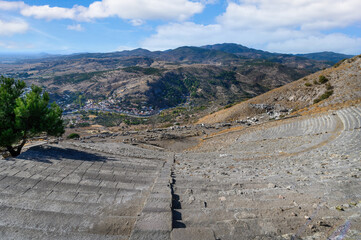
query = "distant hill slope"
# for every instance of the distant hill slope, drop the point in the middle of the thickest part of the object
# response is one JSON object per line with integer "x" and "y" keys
{"x": 343, "y": 84}
{"x": 219, "y": 54}
{"x": 290, "y": 60}
{"x": 198, "y": 55}
{"x": 198, "y": 85}
{"x": 206, "y": 77}
{"x": 243, "y": 51}
{"x": 326, "y": 56}
{"x": 240, "y": 50}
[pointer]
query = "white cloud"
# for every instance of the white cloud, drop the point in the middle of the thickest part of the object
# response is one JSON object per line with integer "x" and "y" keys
{"x": 304, "y": 14}
{"x": 76, "y": 27}
{"x": 209, "y": 1}
{"x": 140, "y": 9}
{"x": 280, "y": 40}
{"x": 183, "y": 34}
{"x": 277, "y": 25}
{"x": 137, "y": 22}
{"x": 13, "y": 27}
{"x": 5, "y": 5}
{"x": 179, "y": 10}
{"x": 49, "y": 13}
{"x": 333, "y": 42}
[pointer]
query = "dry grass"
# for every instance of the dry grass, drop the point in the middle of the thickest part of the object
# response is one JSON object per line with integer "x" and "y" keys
{"x": 345, "y": 80}
{"x": 229, "y": 130}
{"x": 316, "y": 109}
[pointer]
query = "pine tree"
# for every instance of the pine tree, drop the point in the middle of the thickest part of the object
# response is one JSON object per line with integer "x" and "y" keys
{"x": 25, "y": 116}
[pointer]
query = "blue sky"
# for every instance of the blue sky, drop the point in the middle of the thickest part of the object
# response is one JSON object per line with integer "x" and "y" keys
{"x": 68, "y": 26}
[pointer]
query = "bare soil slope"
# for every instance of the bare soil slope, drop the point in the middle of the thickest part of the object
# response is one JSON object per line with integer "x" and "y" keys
{"x": 343, "y": 80}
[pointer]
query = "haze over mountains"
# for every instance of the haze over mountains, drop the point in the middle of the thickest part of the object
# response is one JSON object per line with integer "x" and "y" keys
{"x": 231, "y": 48}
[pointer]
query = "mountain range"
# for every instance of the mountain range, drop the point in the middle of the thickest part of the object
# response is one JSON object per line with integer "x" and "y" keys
{"x": 208, "y": 77}
{"x": 205, "y": 53}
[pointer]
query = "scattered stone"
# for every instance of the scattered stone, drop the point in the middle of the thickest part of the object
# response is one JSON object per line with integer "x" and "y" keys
{"x": 340, "y": 208}
{"x": 222, "y": 199}
{"x": 324, "y": 224}
{"x": 281, "y": 197}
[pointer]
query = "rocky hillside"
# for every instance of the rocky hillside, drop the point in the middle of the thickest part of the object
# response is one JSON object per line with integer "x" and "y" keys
{"x": 170, "y": 86}
{"x": 328, "y": 88}
{"x": 208, "y": 77}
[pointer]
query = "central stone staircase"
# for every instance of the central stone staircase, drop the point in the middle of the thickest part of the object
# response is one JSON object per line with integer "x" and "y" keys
{"x": 290, "y": 179}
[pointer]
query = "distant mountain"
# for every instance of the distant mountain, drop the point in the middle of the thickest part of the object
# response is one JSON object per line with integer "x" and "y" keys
{"x": 243, "y": 51}
{"x": 210, "y": 54}
{"x": 14, "y": 57}
{"x": 326, "y": 56}
{"x": 210, "y": 76}
{"x": 125, "y": 53}
{"x": 240, "y": 50}
{"x": 197, "y": 55}
{"x": 179, "y": 55}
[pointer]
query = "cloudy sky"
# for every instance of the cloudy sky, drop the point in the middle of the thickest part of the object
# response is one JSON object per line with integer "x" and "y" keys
{"x": 288, "y": 26}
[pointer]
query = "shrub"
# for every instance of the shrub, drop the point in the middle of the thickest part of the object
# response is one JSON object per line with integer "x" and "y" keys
{"x": 328, "y": 86}
{"x": 307, "y": 84}
{"x": 315, "y": 82}
{"x": 322, "y": 79}
{"x": 229, "y": 105}
{"x": 84, "y": 124}
{"x": 339, "y": 63}
{"x": 73, "y": 136}
{"x": 324, "y": 96}
{"x": 194, "y": 95}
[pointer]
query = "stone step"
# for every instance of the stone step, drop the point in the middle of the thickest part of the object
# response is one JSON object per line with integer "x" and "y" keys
{"x": 192, "y": 234}
{"x": 130, "y": 208}
{"x": 48, "y": 221}
{"x": 76, "y": 173}
{"x": 15, "y": 184}
{"x": 208, "y": 216}
{"x": 155, "y": 220}
{"x": 17, "y": 233}
{"x": 293, "y": 129}
{"x": 350, "y": 118}
{"x": 275, "y": 201}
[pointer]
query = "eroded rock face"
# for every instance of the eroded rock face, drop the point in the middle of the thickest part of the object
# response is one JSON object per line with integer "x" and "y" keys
{"x": 298, "y": 178}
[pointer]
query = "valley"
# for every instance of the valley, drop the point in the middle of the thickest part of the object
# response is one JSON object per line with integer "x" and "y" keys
{"x": 143, "y": 83}
{"x": 245, "y": 149}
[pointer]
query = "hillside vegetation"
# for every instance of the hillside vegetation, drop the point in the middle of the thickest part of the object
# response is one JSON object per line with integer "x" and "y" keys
{"x": 200, "y": 79}
{"x": 324, "y": 89}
